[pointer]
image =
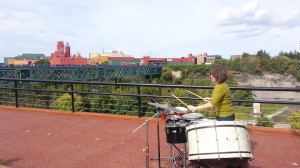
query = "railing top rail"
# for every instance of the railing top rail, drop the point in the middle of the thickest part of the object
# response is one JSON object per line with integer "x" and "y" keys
{"x": 292, "y": 89}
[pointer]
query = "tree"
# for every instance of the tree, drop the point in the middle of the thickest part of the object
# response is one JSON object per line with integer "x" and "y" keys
{"x": 235, "y": 65}
{"x": 294, "y": 55}
{"x": 248, "y": 63}
{"x": 262, "y": 54}
{"x": 280, "y": 64}
{"x": 243, "y": 95}
{"x": 42, "y": 62}
{"x": 166, "y": 74}
{"x": 65, "y": 102}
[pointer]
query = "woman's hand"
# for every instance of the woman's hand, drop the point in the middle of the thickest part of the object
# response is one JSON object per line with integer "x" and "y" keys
{"x": 191, "y": 108}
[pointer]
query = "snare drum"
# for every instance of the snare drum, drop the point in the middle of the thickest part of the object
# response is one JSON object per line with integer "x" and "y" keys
{"x": 192, "y": 117}
{"x": 213, "y": 139}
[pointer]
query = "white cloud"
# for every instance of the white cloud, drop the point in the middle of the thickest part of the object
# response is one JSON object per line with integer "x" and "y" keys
{"x": 250, "y": 20}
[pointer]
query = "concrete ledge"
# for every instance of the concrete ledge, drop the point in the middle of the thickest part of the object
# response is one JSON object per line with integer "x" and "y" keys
{"x": 81, "y": 114}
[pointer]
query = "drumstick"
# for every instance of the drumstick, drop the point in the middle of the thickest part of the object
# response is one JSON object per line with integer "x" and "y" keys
{"x": 180, "y": 100}
{"x": 195, "y": 94}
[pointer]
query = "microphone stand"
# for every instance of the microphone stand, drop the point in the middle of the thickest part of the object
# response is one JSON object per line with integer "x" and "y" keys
{"x": 146, "y": 149}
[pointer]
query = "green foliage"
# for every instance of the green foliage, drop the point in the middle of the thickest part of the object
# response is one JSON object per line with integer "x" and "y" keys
{"x": 262, "y": 54}
{"x": 287, "y": 63}
{"x": 235, "y": 65}
{"x": 166, "y": 74}
{"x": 294, "y": 120}
{"x": 265, "y": 122}
{"x": 42, "y": 62}
{"x": 243, "y": 95}
{"x": 280, "y": 64}
{"x": 292, "y": 54}
{"x": 221, "y": 61}
{"x": 65, "y": 103}
{"x": 105, "y": 63}
{"x": 191, "y": 70}
{"x": 284, "y": 63}
{"x": 248, "y": 64}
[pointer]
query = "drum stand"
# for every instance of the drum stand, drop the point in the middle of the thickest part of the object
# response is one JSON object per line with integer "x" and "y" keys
{"x": 146, "y": 149}
{"x": 174, "y": 157}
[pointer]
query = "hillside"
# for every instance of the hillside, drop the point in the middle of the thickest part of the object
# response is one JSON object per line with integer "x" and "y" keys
{"x": 270, "y": 80}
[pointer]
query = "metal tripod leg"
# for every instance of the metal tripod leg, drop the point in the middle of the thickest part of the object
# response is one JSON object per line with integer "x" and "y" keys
{"x": 176, "y": 158}
{"x": 166, "y": 158}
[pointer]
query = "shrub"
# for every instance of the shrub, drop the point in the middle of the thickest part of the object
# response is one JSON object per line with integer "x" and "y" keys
{"x": 65, "y": 103}
{"x": 265, "y": 122}
{"x": 294, "y": 120}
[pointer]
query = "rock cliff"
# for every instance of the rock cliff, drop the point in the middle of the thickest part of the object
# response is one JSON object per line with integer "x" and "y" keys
{"x": 270, "y": 80}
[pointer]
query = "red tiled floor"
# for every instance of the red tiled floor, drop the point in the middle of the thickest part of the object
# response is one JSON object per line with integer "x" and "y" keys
{"x": 35, "y": 138}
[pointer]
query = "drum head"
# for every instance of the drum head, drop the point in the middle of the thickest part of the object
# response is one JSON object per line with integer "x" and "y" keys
{"x": 173, "y": 117}
{"x": 183, "y": 109}
{"x": 192, "y": 116}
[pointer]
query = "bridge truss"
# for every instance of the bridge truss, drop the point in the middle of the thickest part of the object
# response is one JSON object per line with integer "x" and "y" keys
{"x": 78, "y": 73}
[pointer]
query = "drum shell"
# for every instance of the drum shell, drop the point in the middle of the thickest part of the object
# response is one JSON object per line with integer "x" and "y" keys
{"x": 175, "y": 134}
{"x": 218, "y": 139}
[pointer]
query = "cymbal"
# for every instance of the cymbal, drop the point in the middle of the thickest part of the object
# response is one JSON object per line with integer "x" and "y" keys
{"x": 167, "y": 107}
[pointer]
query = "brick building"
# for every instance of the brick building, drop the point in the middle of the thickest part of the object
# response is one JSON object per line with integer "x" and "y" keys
{"x": 62, "y": 56}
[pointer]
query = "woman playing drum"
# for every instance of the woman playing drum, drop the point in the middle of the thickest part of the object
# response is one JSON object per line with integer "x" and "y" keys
{"x": 221, "y": 97}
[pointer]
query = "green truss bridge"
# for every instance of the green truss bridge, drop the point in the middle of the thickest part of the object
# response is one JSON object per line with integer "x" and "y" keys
{"x": 78, "y": 73}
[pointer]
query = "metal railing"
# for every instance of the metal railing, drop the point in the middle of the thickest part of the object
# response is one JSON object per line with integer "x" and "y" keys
{"x": 127, "y": 98}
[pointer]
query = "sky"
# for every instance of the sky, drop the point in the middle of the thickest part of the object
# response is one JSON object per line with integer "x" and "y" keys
{"x": 156, "y": 28}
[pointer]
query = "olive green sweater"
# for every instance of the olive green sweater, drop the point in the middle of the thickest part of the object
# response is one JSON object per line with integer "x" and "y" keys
{"x": 221, "y": 100}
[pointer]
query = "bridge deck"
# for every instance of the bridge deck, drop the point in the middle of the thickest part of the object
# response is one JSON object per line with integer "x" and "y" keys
{"x": 47, "y": 139}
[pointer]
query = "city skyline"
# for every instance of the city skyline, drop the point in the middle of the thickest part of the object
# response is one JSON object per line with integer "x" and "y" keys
{"x": 167, "y": 28}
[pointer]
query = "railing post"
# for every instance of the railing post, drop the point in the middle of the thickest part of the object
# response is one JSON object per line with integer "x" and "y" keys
{"x": 16, "y": 93}
{"x": 139, "y": 101}
{"x": 72, "y": 97}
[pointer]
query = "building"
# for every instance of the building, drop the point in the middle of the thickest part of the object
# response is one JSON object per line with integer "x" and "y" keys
{"x": 146, "y": 60}
{"x": 24, "y": 59}
{"x": 181, "y": 61}
{"x": 96, "y": 58}
{"x": 62, "y": 56}
{"x": 100, "y": 58}
{"x": 206, "y": 59}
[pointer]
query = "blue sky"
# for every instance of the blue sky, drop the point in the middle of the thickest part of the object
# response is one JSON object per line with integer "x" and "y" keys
{"x": 159, "y": 28}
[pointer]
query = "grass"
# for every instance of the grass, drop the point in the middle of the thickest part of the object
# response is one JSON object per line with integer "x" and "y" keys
{"x": 246, "y": 113}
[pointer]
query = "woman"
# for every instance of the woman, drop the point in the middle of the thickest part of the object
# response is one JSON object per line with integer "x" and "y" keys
{"x": 221, "y": 97}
